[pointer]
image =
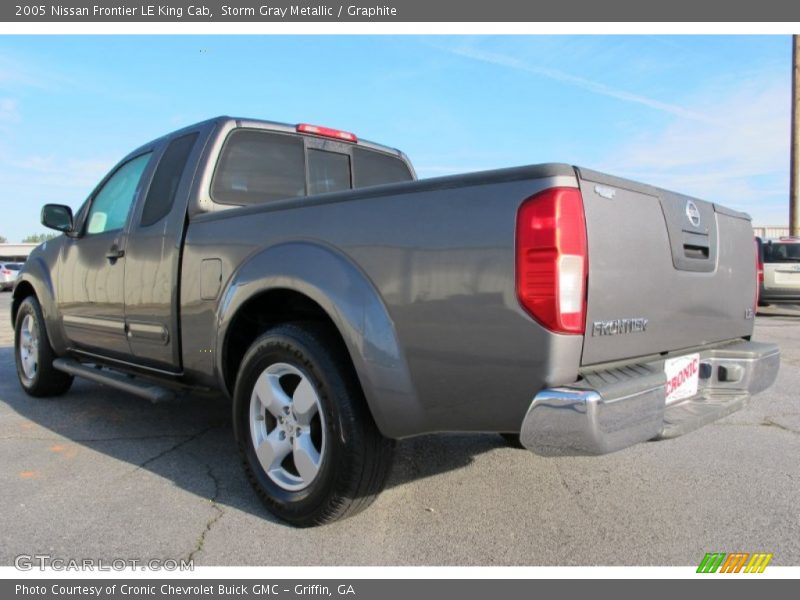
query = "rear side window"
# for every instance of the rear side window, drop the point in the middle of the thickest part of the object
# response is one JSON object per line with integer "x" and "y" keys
{"x": 374, "y": 168}
{"x": 161, "y": 195}
{"x": 257, "y": 167}
{"x": 328, "y": 172}
{"x": 777, "y": 252}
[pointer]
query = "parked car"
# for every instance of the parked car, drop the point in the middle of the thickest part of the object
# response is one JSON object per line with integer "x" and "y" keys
{"x": 343, "y": 305}
{"x": 8, "y": 275}
{"x": 780, "y": 262}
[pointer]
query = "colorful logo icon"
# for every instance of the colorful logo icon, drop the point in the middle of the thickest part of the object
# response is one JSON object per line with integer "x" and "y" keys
{"x": 735, "y": 562}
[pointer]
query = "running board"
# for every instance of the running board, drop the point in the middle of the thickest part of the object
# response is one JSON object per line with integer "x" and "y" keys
{"x": 119, "y": 381}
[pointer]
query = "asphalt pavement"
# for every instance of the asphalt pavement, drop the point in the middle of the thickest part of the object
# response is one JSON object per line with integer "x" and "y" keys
{"x": 101, "y": 474}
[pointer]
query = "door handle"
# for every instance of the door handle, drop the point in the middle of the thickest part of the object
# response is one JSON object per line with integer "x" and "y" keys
{"x": 114, "y": 253}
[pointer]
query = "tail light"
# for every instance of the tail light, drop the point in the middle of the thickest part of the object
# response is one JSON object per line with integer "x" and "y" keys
{"x": 5, "y": 272}
{"x": 552, "y": 259}
{"x": 759, "y": 273}
{"x": 327, "y": 132}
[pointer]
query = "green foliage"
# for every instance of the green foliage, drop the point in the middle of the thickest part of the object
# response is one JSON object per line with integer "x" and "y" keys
{"x": 38, "y": 238}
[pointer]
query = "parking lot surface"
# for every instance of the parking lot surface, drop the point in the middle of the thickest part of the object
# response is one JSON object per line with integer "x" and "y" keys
{"x": 101, "y": 474}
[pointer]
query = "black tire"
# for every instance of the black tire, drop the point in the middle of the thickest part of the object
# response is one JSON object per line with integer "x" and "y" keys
{"x": 47, "y": 381}
{"x": 512, "y": 440}
{"x": 357, "y": 457}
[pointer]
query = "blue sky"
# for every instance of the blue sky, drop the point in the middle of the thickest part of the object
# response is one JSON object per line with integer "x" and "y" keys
{"x": 705, "y": 115}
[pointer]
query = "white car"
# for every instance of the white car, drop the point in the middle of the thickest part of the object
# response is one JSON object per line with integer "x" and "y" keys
{"x": 8, "y": 275}
{"x": 781, "y": 267}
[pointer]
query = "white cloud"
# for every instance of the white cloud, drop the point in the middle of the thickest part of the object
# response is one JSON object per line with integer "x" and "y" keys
{"x": 727, "y": 142}
{"x": 741, "y": 160}
{"x": 23, "y": 73}
{"x": 48, "y": 171}
{"x": 596, "y": 87}
{"x": 9, "y": 111}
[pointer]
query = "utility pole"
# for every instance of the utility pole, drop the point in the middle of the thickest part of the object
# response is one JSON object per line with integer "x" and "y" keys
{"x": 794, "y": 177}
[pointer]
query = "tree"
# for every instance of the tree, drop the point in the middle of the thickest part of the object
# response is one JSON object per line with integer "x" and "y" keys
{"x": 38, "y": 238}
{"x": 3, "y": 240}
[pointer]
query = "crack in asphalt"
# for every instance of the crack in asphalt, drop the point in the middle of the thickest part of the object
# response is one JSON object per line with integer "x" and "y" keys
{"x": 174, "y": 447}
{"x": 576, "y": 497}
{"x": 219, "y": 513}
{"x": 766, "y": 422}
{"x": 575, "y": 494}
{"x": 565, "y": 485}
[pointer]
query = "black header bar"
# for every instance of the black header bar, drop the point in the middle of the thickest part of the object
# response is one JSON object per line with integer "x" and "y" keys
{"x": 398, "y": 11}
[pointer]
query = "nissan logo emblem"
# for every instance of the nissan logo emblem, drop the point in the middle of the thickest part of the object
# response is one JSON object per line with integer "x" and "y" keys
{"x": 692, "y": 213}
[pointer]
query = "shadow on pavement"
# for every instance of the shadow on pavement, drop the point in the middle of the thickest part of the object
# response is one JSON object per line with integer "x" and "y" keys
{"x": 190, "y": 440}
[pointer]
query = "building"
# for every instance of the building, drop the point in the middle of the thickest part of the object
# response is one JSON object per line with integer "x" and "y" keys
{"x": 770, "y": 232}
{"x": 15, "y": 252}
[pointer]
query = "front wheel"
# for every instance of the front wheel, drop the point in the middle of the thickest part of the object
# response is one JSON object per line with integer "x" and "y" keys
{"x": 309, "y": 445}
{"x": 34, "y": 355}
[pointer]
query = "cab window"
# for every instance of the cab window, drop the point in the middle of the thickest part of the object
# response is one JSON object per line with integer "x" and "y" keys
{"x": 164, "y": 187}
{"x": 328, "y": 172}
{"x": 111, "y": 205}
{"x": 258, "y": 167}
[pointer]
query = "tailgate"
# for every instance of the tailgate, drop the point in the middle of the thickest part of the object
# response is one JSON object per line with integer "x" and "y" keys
{"x": 666, "y": 272}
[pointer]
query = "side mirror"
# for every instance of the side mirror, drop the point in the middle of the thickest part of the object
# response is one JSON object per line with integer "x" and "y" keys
{"x": 57, "y": 216}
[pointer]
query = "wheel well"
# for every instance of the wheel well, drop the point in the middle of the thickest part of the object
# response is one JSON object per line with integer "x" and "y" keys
{"x": 263, "y": 312}
{"x": 21, "y": 291}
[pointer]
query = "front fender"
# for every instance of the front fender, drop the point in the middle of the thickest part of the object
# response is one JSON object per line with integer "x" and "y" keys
{"x": 346, "y": 294}
{"x": 37, "y": 274}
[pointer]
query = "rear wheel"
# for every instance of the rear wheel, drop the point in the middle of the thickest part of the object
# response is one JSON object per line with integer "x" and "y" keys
{"x": 34, "y": 355}
{"x": 309, "y": 445}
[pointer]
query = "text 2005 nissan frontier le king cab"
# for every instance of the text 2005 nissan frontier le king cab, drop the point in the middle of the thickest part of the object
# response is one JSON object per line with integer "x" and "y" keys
{"x": 343, "y": 305}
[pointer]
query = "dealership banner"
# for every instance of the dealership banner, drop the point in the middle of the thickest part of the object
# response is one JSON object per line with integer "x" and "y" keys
{"x": 399, "y": 11}
{"x": 382, "y": 589}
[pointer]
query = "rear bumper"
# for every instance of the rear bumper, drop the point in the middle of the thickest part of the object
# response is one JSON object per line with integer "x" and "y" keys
{"x": 613, "y": 409}
{"x": 779, "y": 299}
{"x": 777, "y": 295}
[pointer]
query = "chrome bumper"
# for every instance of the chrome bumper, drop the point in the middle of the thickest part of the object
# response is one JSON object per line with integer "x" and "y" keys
{"x": 613, "y": 409}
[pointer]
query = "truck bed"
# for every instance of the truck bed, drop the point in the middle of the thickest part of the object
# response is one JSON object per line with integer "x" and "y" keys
{"x": 440, "y": 256}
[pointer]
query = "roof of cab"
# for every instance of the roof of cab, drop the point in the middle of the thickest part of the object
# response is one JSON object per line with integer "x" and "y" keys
{"x": 286, "y": 128}
{"x": 223, "y": 120}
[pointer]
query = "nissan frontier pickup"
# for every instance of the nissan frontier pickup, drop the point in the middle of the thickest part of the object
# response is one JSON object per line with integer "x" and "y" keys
{"x": 342, "y": 305}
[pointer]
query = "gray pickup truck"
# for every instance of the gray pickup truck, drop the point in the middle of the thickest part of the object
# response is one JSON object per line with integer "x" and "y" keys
{"x": 342, "y": 305}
